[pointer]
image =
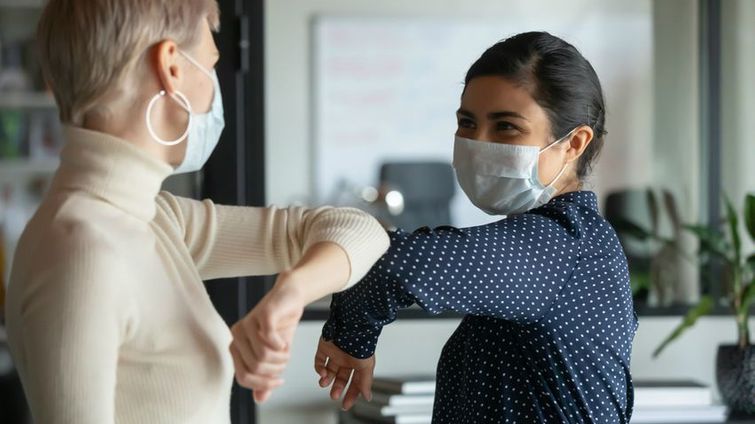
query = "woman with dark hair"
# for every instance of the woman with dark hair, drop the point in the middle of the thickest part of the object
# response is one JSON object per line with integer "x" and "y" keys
{"x": 549, "y": 319}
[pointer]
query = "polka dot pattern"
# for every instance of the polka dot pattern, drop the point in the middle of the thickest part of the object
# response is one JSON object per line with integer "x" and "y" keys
{"x": 549, "y": 318}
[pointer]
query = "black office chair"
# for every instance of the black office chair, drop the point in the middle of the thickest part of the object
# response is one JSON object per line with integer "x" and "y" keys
{"x": 426, "y": 188}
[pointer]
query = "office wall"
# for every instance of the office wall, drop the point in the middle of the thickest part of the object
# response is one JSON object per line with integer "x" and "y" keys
{"x": 738, "y": 102}
{"x": 627, "y": 155}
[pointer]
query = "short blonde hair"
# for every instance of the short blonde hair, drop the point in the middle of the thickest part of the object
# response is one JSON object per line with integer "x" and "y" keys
{"x": 88, "y": 47}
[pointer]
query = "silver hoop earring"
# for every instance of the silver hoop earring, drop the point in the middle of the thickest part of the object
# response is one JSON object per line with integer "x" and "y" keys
{"x": 181, "y": 99}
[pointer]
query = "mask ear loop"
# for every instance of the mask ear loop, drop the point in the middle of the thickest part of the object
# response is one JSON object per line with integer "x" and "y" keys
{"x": 195, "y": 63}
{"x": 566, "y": 165}
{"x": 180, "y": 99}
{"x": 563, "y": 169}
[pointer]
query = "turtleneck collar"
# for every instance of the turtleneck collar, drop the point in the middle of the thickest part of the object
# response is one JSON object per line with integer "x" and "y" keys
{"x": 111, "y": 169}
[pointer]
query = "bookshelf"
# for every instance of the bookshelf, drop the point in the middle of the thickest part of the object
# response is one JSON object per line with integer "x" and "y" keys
{"x": 22, "y": 4}
{"x": 27, "y": 101}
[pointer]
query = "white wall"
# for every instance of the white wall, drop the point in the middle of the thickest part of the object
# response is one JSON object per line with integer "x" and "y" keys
{"x": 677, "y": 142}
{"x": 738, "y": 98}
{"x": 627, "y": 154}
{"x": 676, "y": 152}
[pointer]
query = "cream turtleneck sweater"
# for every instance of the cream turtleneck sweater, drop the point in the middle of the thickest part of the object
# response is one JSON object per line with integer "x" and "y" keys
{"x": 108, "y": 319}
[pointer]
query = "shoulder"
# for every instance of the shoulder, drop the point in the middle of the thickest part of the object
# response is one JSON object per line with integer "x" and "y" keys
{"x": 66, "y": 269}
{"x": 574, "y": 212}
{"x": 74, "y": 236}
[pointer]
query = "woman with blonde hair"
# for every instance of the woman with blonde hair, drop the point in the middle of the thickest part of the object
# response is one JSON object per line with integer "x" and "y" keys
{"x": 108, "y": 319}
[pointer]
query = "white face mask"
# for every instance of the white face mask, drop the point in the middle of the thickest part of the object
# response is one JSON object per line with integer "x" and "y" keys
{"x": 502, "y": 179}
{"x": 203, "y": 130}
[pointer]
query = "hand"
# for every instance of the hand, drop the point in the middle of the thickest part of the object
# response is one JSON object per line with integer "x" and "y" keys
{"x": 336, "y": 366}
{"x": 262, "y": 339}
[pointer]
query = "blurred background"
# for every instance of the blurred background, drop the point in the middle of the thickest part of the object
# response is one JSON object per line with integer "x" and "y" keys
{"x": 352, "y": 103}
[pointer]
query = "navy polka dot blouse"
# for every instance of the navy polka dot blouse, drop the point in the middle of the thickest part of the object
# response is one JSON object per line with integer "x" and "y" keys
{"x": 549, "y": 320}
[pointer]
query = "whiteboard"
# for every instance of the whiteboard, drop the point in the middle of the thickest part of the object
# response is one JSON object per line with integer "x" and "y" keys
{"x": 387, "y": 88}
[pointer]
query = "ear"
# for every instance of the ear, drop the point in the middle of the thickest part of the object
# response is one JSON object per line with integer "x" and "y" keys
{"x": 578, "y": 142}
{"x": 165, "y": 55}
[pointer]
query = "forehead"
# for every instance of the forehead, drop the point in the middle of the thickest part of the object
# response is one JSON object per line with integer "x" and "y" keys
{"x": 495, "y": 94}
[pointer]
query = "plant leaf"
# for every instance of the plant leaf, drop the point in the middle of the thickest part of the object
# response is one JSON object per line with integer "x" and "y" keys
{"x": 628, "y": 227}
{"x": 750, "y": 215}
{"x": 711, "y": 241}
{"x": 733, "y": 220}
{"x": 653, "y": 209}
{"x": 748, "y": 296}
{"x": 673, "y": 213}
{"x": 702, "y": 308}
{"x": 625, "y": 226}
{"x": 639, "y": 281}
{"x": 750, "y": 266}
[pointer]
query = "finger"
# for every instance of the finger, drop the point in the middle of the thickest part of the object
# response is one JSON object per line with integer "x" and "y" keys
{"x": 352, "y": 393}
{"x": 242, "y": 346}
{"x": 261, "y": 383}
{"x": 273, "y": 339}
{"x": 320, "y": 360}
{"x": 365, "y": 383}
{"x": 255, "y": 328}
{"x": 268, "y": 369}
{"x": 238, "y": 364}
{"x": 270, "y": 335}
{"x": 331, "y": 369}
{"x": 247, "y": 379}
{"x": 287, "y": 335}
{"x": 342, "y": 380}
{"x": 266, "y": 354}
{"x": 261, "y": 396}
{"x": 252, "y": 365}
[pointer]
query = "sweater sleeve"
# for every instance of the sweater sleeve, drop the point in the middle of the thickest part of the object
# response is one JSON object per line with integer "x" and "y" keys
{"x": 73, "y": 319}
{"x": 513, "y": 269}
{"x": 231, "y": 241}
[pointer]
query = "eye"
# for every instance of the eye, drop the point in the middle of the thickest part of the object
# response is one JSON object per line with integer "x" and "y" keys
{"x": 466, "y": 123}
{"x": 506, "y": 126}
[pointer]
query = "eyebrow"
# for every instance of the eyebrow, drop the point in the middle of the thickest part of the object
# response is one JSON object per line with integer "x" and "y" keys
{"x": 493, "y": 115}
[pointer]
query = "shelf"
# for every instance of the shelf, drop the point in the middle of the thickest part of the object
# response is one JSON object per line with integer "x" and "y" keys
{"x": 11, "y": 169}
{"x": 39, "y": 100}
{"x": 22, "y": 4}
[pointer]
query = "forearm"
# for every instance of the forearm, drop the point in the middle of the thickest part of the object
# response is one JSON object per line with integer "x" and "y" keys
{"x": 230, "y": 241}
{"x": 323, "y": 269}
{"x": 358, "y": 315}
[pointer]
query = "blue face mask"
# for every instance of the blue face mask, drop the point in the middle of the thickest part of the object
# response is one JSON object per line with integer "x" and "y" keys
{"x": 203, "y": 131}
{"x": 502, "y": 179}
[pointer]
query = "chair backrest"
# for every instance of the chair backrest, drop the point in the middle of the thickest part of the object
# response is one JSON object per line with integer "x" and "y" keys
{"x": 427, "y": 189}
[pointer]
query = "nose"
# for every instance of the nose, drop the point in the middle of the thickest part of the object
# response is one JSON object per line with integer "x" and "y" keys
{"x": 479, "y": 134}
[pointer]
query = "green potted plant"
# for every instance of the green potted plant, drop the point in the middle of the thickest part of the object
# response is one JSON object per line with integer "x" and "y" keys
{"x": 722, "y": 246}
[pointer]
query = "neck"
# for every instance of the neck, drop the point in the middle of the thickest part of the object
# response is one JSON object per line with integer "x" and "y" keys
{"x": 111, "y": 169}
{"x": 570, "y": 184}
{"x": 136, "y": 135}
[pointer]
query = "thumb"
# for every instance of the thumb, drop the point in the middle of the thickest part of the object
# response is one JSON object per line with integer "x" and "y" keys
{"x": 272, "y": 337}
